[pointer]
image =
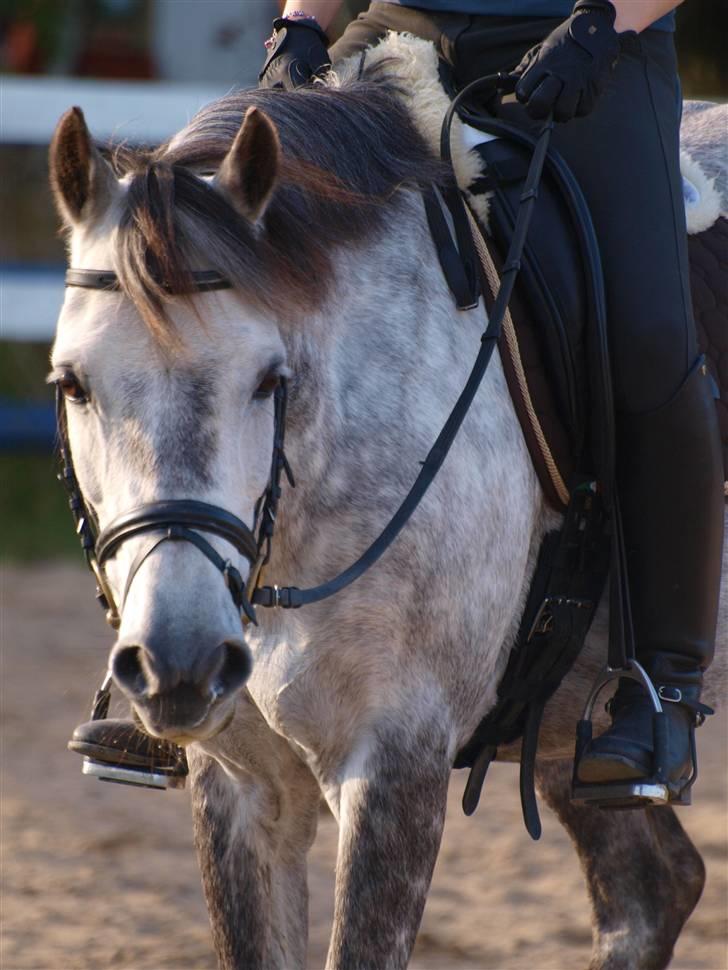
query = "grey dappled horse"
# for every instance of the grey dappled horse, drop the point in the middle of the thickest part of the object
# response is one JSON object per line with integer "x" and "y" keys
{"x": 315, "y": 213}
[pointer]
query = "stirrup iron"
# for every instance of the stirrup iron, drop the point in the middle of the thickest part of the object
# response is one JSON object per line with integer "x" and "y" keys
{"x": 120, "y": 752}
{"x": 637, "y": 792}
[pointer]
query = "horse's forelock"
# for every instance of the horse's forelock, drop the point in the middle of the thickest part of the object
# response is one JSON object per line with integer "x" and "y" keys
{"x": 346, "y": 151}
{"x": 172, "y": 223}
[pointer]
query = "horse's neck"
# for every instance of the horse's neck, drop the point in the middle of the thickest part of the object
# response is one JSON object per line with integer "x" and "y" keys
{"x": 375, "y": 375}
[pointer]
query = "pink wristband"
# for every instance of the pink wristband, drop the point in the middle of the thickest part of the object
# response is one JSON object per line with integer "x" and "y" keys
{"x": 301, "y": 15}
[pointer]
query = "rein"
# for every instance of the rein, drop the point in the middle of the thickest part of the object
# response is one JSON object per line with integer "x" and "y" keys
{"x": 183, "y": 520}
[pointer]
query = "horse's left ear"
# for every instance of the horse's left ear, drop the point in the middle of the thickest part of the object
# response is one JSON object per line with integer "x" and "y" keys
{"x": 83, "y": 183}
{"x": 248, "y": 173}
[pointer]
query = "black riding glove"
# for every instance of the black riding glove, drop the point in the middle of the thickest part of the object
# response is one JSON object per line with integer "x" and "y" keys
{"x": 568, "y": 71}
{"x": 297, "y": 53}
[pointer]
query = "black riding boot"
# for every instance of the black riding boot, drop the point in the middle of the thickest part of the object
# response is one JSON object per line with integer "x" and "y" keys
{"x": 118, "y": 750}
{"x": 670, "y": 482}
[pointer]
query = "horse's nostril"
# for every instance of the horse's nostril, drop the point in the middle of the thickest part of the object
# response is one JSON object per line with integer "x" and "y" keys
{"x": 142, "y": 674}
{"x": 126, "y": 666}
{"x": 234, "y": 670}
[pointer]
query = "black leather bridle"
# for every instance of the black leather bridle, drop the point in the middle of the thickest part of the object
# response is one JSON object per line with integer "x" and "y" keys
{"x": 183, "y": 519}
{"x": 176, "y": 520}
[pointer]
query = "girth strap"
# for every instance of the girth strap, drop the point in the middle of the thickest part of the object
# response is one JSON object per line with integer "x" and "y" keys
{"x": 565, "y": 590}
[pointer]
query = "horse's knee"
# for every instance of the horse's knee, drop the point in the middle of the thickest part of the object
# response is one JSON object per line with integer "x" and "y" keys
{"x": 685, "y": 864}
{"x": 643, "y": 898}
{"x": 393, "y": 787}
{"x": 252, "y": 836}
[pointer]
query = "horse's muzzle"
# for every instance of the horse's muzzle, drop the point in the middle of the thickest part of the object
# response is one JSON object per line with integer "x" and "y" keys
{"x": 181, "y": 702}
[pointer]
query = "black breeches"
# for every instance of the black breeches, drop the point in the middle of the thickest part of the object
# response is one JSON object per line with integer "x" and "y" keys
{"x": 625, "y": 156}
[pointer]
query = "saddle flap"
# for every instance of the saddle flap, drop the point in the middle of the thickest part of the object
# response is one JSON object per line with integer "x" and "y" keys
{"x": 551, "y": 283}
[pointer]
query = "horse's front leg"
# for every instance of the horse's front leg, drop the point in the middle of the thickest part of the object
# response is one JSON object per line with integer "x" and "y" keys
{"x": 643, "y": 874}
{"x": 392, "y": 801}
{"x": 255, "y": 807}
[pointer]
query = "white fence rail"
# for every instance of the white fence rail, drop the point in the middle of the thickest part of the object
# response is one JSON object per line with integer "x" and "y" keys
{"x": 30, "y": 301}
{"x": 138, "y": 111}
{"x": 141, "y": 112}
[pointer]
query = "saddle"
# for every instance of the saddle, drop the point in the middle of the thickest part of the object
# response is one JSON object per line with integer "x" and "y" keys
{"x": 543, "y": 347}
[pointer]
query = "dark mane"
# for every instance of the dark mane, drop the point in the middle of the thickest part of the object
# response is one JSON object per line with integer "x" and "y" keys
{"x": 347, "y": 151}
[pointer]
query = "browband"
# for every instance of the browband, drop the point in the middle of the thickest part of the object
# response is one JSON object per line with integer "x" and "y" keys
{"x": 102, "y": 279}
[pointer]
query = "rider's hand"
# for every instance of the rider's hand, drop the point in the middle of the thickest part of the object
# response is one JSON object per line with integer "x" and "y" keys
{"x": 569, "y": 70}
{"x": 296, "y": 54}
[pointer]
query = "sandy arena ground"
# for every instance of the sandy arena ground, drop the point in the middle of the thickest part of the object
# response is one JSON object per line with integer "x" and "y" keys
{"x": 99, "y": 876}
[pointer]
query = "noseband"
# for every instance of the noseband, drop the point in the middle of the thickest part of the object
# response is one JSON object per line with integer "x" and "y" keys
{"x": 176, "y": 520}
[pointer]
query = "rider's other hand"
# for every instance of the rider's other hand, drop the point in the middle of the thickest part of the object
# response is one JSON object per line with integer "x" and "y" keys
{"x": 296, "y": 54}
{"x": 568, "y": 71}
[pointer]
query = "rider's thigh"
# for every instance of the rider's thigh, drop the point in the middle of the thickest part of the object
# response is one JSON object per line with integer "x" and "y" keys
{"x": 626, "y": 158}
{"x": 371, "y": 26}
{"x": 625, "y": 155}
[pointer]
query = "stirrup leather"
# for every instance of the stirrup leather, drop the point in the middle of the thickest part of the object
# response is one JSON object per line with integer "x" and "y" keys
{"x": 118, "y": 751}
{"x": 654, "y": 789}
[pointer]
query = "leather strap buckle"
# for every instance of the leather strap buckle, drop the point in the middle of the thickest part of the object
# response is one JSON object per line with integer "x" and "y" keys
{"x": 673, "y": 695}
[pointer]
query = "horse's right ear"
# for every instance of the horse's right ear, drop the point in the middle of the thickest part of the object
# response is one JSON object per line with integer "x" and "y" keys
{"x": 248, "y": 172}
{"x": 83, "y": 183}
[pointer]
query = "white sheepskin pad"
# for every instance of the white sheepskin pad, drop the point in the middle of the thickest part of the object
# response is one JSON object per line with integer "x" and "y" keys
{"x": 702, "y": 200}
{"x": 414, "y": 63}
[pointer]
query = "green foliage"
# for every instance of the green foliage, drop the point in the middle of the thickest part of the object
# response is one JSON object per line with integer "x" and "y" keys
{"x": 23, "y": 370}
{"x": 36, "y": 522}
{"x": 46, "y": 16}
{"x": 34, "y": 519}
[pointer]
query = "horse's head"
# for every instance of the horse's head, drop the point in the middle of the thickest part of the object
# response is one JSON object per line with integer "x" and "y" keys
{"x": 169, "y": 395}
{"x": 170, "y": 391}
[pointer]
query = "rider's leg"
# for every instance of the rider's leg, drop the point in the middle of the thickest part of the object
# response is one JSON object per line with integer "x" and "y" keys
{"x": 626, "y": 158}
{"x": 669, "y": 459}
{"x": 672, "y": 501}
{"x": 371, "y": 26}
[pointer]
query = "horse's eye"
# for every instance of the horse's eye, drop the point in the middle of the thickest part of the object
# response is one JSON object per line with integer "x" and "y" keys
{"x": 71, "y": 388}
{"x": 267, "y": 386}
